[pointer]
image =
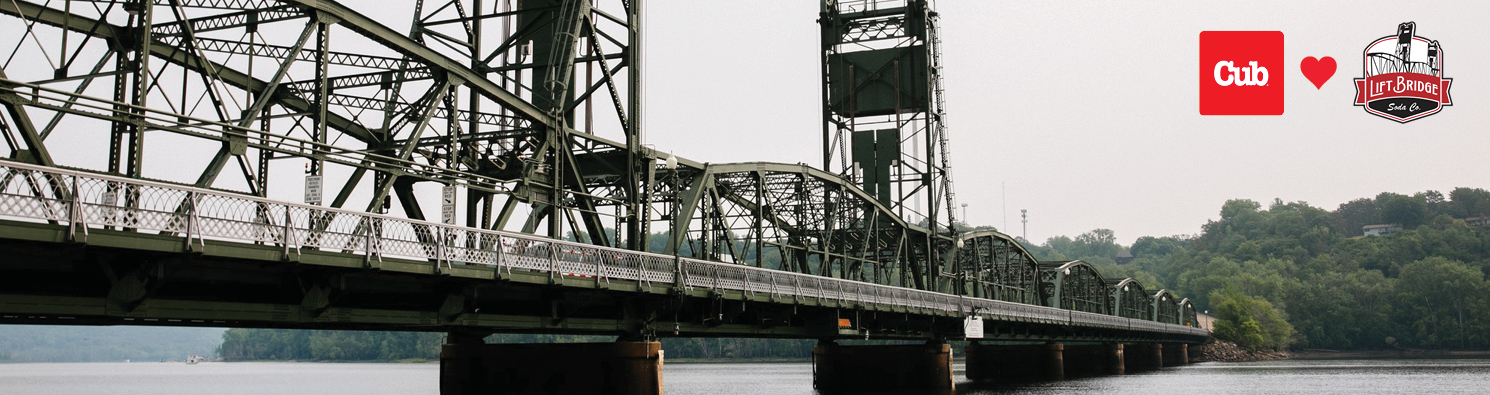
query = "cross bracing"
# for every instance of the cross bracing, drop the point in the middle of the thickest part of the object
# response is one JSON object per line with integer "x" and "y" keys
{"x": 244, "y": 261}
{"x": 1075, "y": 285}
{"x": 532, "y": 110}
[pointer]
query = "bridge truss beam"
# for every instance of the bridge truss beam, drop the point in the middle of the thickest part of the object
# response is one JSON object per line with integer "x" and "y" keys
{"x": 533, "y": 108}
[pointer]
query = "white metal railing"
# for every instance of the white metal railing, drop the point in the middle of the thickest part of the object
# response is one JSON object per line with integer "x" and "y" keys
{"x": 85, "y": 201}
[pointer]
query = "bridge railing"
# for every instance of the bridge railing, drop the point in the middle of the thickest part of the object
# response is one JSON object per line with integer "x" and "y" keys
{"x": 84, "y": 201}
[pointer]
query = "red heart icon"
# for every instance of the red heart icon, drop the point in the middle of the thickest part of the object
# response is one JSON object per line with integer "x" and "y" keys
{"x": 1318, "y": 70}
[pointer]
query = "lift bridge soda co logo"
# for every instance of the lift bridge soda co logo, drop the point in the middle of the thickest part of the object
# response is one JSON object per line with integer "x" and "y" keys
{"x": 1404, "y": 77}
{"x": 1241, "y": 73}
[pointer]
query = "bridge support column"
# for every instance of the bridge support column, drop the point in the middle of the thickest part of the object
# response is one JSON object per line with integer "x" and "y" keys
{"x": 1143, "y": 356}
{"x": 628, "y": 368}
{"x": 1176, "y": 354}
{"x": 1094, "y": 360}
{"x": 913, "y": 366}
{"x": 987, "y": 362}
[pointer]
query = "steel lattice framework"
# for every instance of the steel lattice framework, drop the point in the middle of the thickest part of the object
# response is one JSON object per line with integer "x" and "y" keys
{"x": 532, "y": 108}
{"x": 989, "y": 264}
{"x": 386, "y": 112}
{"x": 529, "y": 107}
{"x": 1187, "y": 313}
{"x": 884, "y": 115}
{"x": 1167, "y": 308}
{"x": 1129, "y": 299}
{"x": 1075, "y": 285}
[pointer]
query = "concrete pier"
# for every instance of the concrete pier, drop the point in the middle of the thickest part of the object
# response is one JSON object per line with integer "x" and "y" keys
{"x": 1176, "y": 354}
{"x": 1143, "y": 356}
{"x": 892, "y": 367}
{"x": 1094, "y": 360}
{"x": 622, "y": 368}
{"x": 988, "y": 362}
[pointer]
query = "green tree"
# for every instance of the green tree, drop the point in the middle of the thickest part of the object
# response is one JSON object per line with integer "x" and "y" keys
{"x": 1252, "y": 323}
{"x": 1155, "y": 247}
{"x": 1408, "y": 211}
{"x": 1440, "y": 294}
{"x": 1355, "y": 214}
{"x": 1468, "y": 202}
{"x": 1096, "y": 245}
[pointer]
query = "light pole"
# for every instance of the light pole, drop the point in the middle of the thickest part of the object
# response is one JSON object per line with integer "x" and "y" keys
{"x": 1024, "y": 219}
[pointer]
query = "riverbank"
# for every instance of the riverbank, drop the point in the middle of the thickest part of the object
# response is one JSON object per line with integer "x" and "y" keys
{"x": 1225, "y": 351}
{"x": 391, "y": 361}
{"x": 1386, "y": 354}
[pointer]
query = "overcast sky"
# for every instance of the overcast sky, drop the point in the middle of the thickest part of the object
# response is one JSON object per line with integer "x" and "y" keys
{"x": 1084, "y": 112}
{"x": 1087, "y": 111}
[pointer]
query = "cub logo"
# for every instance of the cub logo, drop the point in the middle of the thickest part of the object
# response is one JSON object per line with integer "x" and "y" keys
{"x": 1404, "y": 77}
{"x": 1241, "y": 73}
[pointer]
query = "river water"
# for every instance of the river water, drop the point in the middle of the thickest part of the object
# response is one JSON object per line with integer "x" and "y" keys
{"x": 1420, "y": 376}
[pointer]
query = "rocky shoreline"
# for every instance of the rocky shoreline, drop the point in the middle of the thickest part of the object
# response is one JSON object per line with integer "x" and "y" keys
{"x": 1225, "y": 351}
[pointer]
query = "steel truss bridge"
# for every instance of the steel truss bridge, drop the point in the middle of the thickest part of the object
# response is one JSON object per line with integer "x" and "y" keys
{"x": 530, "y": 114}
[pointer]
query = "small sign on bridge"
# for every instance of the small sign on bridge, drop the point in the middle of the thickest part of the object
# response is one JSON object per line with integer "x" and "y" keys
{"x": 447, "y": 204}
{"x": 972, "y": 327}
{"x": 313, "y": 189}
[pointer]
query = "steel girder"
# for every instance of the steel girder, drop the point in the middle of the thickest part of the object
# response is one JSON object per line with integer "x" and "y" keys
{"x": 412, "y": 111}
{"x": 543, "y": 112}
{"x": 881, "y": 76}
{"x": 539, "y": 50}
{"x": 797, "y": 218}
{"x": 992, "y": 265}
{"x": 789, "y": 217}
{"x": 1188, "y": 317}
{"x": 1167, "y": 307}
{"x": 1074, "y": 285}
{"x": 391, "y": 98}
{"x": 1130, "y": 300}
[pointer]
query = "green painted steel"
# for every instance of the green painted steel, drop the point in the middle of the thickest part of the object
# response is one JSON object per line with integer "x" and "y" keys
{"x": 1131, "y": 300}
{"x": 1075, "y": 285}
{"x": 534, "y": 110}
{"x": 220, "y": 260}
{"x": 881, "y": 70}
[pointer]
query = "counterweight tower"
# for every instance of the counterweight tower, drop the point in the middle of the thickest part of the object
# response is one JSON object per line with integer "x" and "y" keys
{"x": 883, "y": 111}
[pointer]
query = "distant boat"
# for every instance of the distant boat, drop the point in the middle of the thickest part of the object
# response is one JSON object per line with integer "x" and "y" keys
{"x": 192, "y": 360}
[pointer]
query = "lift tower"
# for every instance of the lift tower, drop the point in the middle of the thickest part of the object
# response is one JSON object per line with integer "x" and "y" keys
{"x": 883, "y": 114}
{"x": 883, "y": 111}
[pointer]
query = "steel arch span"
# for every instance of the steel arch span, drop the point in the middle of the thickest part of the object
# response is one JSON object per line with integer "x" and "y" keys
{"x": 1075, "y": 285}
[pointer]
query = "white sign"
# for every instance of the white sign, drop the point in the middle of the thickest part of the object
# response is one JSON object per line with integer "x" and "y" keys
{"x": 313, "y": 189}
{"x": 110, "y": 202}
{"x": 447, "y": 206}
{"x": 972, "y": 327}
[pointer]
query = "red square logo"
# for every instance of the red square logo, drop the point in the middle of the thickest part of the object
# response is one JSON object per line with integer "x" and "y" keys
{"x": 1241, "y": 73}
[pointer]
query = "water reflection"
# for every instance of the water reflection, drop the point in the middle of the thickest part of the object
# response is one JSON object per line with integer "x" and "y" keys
{"x": 1315, "y": 377}
{"x": 1422, "y": 376}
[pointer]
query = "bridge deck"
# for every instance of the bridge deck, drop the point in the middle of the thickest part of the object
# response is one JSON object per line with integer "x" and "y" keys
{"x": 70, "y": 219}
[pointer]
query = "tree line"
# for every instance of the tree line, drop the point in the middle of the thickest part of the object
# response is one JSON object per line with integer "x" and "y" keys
{"x": 65, "y": 343}
{"x": 324, "y": 345}
{"x": 1307, "y": 278}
